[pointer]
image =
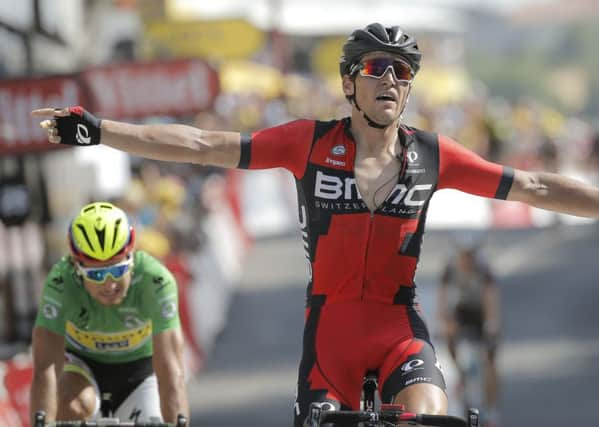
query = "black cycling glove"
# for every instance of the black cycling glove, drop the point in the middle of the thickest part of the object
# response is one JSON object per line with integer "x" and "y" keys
{"x": 79, "y": 128}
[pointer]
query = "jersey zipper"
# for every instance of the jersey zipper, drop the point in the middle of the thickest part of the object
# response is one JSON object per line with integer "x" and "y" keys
{"x": 368, "y": 241}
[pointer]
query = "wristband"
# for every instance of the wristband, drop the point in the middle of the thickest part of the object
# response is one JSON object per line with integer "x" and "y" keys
{"x": 78, "y": 128}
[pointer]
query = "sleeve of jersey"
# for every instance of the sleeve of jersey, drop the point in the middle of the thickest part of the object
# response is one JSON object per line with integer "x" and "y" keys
{"x": 50, "y": 314}
{"x": 464, "y": 170}
{"x": 161, "y": 297}
{"x": 286, "y": 146}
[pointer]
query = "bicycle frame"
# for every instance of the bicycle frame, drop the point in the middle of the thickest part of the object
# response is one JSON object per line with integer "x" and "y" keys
{"x": 40, "y": 421}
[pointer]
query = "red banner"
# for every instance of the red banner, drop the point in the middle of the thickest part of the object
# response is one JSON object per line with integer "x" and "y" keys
{"x": 17, "y": 380}
{"x": 121, "y": 91}
{"x": 137, "y": 90}
{"x": 19, "y": 132}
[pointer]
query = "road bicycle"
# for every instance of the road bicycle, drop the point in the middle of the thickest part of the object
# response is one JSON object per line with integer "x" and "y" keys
{"x": 320, "y": 413}
{"x": 40, "y": 421}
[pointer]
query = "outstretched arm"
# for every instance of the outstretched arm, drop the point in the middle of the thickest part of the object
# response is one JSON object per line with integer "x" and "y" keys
{"x": 464, "y": 170}
{"x": 555, "y": 192}
{"x": 168, "y": 142}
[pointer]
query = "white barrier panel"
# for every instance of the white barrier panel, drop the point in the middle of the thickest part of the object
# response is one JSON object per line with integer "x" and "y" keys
{"x": 268, "y": 202}
{"x": 454, "y": 209}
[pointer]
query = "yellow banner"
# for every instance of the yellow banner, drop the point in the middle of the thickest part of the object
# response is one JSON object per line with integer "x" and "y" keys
{"x": 219, "y": 39}
{"x": 249, "y": 77}
{"x": 326, "y": 54}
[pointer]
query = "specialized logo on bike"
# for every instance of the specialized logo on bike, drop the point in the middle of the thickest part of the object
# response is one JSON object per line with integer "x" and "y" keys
{"x": 122, "y": 341}
{"x": 82, "y": 136}
{"x": 135, "y": 414}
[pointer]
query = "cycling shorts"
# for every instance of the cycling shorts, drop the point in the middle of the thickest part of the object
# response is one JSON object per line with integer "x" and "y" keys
{"x": 344, "y": 340}
{"x": 470, "y": 317}
{"x": 134, "y": 395}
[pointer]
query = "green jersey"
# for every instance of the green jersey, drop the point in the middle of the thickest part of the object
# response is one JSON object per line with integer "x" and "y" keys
{"x": 110, "y": 334}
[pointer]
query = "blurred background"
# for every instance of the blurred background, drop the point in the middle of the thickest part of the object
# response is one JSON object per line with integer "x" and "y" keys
{"x": 513, "y": 80}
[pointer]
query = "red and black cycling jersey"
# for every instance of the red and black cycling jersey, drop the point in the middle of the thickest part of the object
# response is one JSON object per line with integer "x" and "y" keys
{"x": 356, "y": 254}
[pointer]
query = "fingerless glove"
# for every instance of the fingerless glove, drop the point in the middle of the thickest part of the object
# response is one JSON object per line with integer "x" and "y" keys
{"x": 79, "y": 128}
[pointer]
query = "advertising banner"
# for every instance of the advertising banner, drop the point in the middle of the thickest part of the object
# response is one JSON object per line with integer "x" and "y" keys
{"x": 19, "y": 132}
{"x": 219, "y": 38}
{"x": 137, "y": 90}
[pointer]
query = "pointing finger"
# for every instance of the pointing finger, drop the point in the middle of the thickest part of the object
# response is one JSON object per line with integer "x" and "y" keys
{"x": 59, "y": 112}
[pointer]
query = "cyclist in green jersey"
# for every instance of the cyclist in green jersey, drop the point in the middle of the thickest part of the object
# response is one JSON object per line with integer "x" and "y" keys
{"x": 108, "y": 325}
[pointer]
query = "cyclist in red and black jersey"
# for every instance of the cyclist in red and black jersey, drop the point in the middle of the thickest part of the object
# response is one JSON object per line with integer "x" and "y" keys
{"x": 364, "y": 186}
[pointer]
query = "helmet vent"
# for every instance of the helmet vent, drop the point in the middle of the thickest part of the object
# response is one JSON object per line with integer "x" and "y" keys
{"x": 379, "y": 31}
{"x": 84, "y": 232}
{"x": 117, "y": 224}
{"x": 101, "y": 236}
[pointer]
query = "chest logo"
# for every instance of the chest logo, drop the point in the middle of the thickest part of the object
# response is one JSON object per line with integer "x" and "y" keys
{"x": 338, "y": 150}
{"x": 332, "y": 187}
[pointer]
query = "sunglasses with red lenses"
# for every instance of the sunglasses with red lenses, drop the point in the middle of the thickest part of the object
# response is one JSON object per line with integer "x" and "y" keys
{"x": 377, "y": 67}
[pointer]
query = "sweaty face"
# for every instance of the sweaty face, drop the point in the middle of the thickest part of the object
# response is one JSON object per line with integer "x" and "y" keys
{"x": 382, "y": 99}
{"x": 111, "y": 290}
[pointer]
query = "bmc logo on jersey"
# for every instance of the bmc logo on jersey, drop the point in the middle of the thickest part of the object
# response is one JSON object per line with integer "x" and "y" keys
{"x": 335, "y": 188}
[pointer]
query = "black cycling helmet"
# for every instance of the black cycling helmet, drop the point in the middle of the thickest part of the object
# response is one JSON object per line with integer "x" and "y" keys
{"x": 376, "y": 37}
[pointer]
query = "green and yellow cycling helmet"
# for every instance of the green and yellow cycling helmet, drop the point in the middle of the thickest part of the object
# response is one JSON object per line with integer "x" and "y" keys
{"x": 100, "y": 232}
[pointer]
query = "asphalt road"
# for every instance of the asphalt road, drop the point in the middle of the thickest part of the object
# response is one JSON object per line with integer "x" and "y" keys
{"x": 548, "y": 357}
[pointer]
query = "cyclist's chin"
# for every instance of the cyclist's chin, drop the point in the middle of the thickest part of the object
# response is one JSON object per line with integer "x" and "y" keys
{"x": 112, "y": 299}
{"x": 386, "y": 116}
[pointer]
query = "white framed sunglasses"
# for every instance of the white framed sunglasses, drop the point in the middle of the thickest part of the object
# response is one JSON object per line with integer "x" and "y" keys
{"x": 100, "y": 274}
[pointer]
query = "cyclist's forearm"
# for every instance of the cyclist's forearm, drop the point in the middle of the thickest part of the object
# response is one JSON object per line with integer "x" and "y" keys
{"x": 170, "y": 142}
{"x": 173, "y": 398}
{"x": 43, "y": 395}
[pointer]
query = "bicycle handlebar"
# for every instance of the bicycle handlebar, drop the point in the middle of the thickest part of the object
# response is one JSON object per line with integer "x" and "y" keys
{"x": 317, "y": 416}
{"x": 361, "y": 416}
{"x": 108, "y": 423}
{"x": 40, "y": 421}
